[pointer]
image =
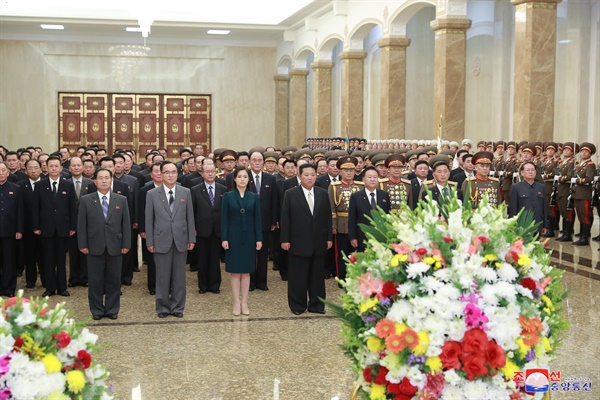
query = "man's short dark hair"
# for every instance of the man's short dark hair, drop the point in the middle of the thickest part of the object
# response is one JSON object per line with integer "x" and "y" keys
{"x": 419, "y": 162}
{"x": 184, "y": 150}
{"x": 370, "y": 168}
{"x": 32, "y": 160}
{"x": 100, "y": 170}
{"x": 321, "y": 159}
{"x": 522, "y": 167}
{"x": 53, "y": 157}
{"x": 242, "y": 153}
{"x": 167, "y": 162}
{"x": 118, "y": 155}
{"x": 107, "y": 158}
{"x": 459, "y": 154}
{"x": 468, "y": 155}
{"x": 88, "y": 160}
{"x": 288, "y": 161}
{"x": 307, "y": 165}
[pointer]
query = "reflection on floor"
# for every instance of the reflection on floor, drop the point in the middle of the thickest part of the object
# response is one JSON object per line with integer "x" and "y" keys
{"x": 210, "y": 354}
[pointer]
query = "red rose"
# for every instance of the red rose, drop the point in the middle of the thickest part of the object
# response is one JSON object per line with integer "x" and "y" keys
{"x": 368, "y": 374}
{"x": 402, "y": 397}
{"x": 393, "y": 388}
{"x": 484, "y": 240}
{"x": 528, "y": 283}
{"x": 421, "y": 252}
{"x": 18, "y": 343}
{"x": 495, "y": 355}
{"x": 474, "y": 365}
{"x": 63, "y": 339}
{"x": 83, "y": 360}
{"x": 406, "y": 388}
{"x": 352, "y": 258}
{"x": 475, "y": 341}
{"x": 380, "y": 378}
{"x": 389, "y": 289}
{"x": 448, "y": 239}
{"x": 450, "y": 352}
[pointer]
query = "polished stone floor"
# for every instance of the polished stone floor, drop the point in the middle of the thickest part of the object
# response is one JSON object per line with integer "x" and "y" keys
{"x": 273, "y": 354}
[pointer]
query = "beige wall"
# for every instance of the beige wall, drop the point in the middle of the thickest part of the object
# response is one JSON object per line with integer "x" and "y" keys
{"x": 240, "y": 79}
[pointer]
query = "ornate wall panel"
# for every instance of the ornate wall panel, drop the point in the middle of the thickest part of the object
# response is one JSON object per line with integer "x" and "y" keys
{"x": 138, "y": 121}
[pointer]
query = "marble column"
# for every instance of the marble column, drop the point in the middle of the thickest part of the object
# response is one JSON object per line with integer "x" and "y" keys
{"x": 352, "y": 92}
{"x": 282, "y": 109}
{"x": 449, "y": 76}
{"x": 535, "y": 59}
{"x": 322, "y": 98}
{"x": 298, "y": 106}
{"x": 393, "y": 86}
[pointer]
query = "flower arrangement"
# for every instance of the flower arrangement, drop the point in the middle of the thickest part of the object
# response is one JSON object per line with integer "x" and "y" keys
{"x": 45, "y": 355}
{"x": 449, "y": 302}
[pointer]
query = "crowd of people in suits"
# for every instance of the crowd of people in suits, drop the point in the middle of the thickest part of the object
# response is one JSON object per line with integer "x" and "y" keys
{"x": 302, "y": 208}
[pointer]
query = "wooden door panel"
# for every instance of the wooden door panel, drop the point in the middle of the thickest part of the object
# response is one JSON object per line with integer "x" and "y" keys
{"x": 70, "y": 120}
{"x": 96, "y": 120}
{"x": 147, "y": 128}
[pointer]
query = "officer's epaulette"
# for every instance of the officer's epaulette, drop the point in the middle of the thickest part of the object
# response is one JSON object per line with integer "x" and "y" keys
{"x": 405, "y": 172}
{"x": 336, "y": 183}
{"x": 493, "y": 179}
{"x": 358, "y": 183}
{"x": 451, "y": 183}
{"x": 428, "y": 182}
{"x": 405, "y": 180}
{"x": 220, "y": 174}
{"x": 384, "y": 180}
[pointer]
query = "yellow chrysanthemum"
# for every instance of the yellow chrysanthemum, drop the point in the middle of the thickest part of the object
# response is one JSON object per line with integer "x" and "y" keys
{"x": 498, "y": 264}
{"x": 548, "y": 303}
{"x": 375, "y": 344}
{"x": 58, "y": 396}
{"x": 490, "y": 257}
{"x": 400, "y": 328}
{"x": 377, "y": 392}
{"x": 397, "y": 259}
{"x": 509, "y": 369}
{"x": 367, "y": 305}
{"x": 434, "y": 364}
{"x": 421, "y": 348}
{"x": 523, "y": 348}
{"x": 546, "y": 343}
{"x": 524, "y": 260}
{"x": 52, "y": 363}
{"x": 75, "y": 381}
{"x": 429, "y": 260}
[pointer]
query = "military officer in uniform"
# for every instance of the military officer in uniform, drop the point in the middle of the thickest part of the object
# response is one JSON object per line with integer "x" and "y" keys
{"x": 507, "y": 169}
{"x": 339, "y": 199}
{"x": 475, "y": 188}
{"x": 564, "y": 174}
{"x": 397, "y": 186}
{"x": 583, "y": 180}
{"x": 548, "y": 171}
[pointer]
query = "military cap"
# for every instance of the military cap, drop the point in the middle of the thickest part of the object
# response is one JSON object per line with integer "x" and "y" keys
{"x": 431, "y": 150}
{"x": 467, "y": 142}
{"x": 481, "y": 143}
{"x": 347, "y": 162}
{"x": 217, "y": 152}
{"x": 522, "y": 143}
{"x": 403, "y": 150}
{"x": 260, "y": 149}
{"x": 227, "y": 155}
{"x": 482, "y": 157}
{"x": 538, "y": 145}
{"x": 500, "y": 143}
{"x": 530, "y": 148}
{"x": 550, "y": 145}
{"x": 319, "y": 152}
{"x": 412, "y": 154}
{"x": 395, "y": 160}
{"x": 303, "y": 153}
{"x": 454, "y": 144}
{"x": 573, "y": 146}
{"x": 512, "y": 144}
{"x": 588, "y": 146}
{"x": 358, "y": 153}
{"x": 271, "y": 156}
{"x": 379, "y": 158}
{"x": 288, "y": 150}
{"x": 449, "y": 153}
{"x": 439, "y": 160}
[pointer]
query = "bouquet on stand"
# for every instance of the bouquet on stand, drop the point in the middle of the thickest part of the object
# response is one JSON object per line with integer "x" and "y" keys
{"x": 44, "y": 354}
{"x": 449, "y": 303}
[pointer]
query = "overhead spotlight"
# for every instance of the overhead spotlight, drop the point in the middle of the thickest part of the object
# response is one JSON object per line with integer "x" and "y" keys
{"x": 133, "y": 29}
{"x": 218, "y": 32}
{"x": 55, "y": 27}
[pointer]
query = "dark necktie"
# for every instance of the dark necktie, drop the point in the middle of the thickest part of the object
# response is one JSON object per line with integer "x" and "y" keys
{"x": 54, "y": 191}
{"x": 373, "y": 203}
{"x": 333, "y": 179}
{"x": 446, "y": 191}
{"x": 257, "y": 184}
{"x": 211, "y": 196}
{"x": 104, "y": 207}
{"x": 171, "y": 200}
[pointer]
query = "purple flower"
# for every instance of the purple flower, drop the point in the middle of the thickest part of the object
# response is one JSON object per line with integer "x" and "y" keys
{"x": 411, "y": 359}
{"x": 369, "y": 319}
{"x": 111, "y": 388}
{"x": 531, "y": 355}
{"x": 385, "y": 302}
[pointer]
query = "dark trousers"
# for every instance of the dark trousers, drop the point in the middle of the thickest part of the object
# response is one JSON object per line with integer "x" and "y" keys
{"x": 77, "y": 263}
{"x": 104, "y": 280}
{"x": 8, "y": 262}
{"x": 32, "y": 258}
{"x": 343, "y": 247}
{"x": 306, "y": 274}
{"x": 275, "y": 248}
{"x": 330, "y": 262}
{"x": 283, "y": 263}
{"x": 208, "y": 254}
{"x": 259, "y": 278}
{"x": 55, "y": 260}
{"x": 130, "y": 260}
{"x": 151, "y": 268}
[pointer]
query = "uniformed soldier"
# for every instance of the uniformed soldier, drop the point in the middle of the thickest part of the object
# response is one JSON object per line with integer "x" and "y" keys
{"x": 397, "y": 186}
{"x": 378, "y": 161}
{"x": 475, "y": 188}
{"x": 339, "y": 199}
{"x": 508, "y": 168}
{"x": 566, "y": 171}
{"x": 585, "y": 173}
{"x": 548, "y": 171}
{"x": 596, "y": 197}
{"x": 528, "y": 154}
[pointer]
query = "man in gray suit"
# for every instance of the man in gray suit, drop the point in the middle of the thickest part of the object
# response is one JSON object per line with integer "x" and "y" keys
{"x": 77, "y": 260}
{"x": 104, "y": 235}
{"x": 170, "y": 233}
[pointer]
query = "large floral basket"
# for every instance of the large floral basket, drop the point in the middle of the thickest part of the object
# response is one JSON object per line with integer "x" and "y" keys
{"x": 449, "y": 302}
{"x": 44, "y": 354}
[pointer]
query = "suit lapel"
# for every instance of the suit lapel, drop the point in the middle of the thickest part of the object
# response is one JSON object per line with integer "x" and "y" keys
{"x": 303, "y": 201}
{"x": 112, "y": 204}
{"x": 179, "y": 200}
{"x": 380, "y": 199}
{"x": 365, "y": 200}
{"x": 163, "y": 199}
{"x": 317, "y": 202}
{"x": 98, "y": 206}
{"x": 205, "y": 195}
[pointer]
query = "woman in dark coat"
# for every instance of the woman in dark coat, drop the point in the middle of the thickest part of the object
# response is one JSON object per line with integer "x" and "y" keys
{"x": 241, "y": 233}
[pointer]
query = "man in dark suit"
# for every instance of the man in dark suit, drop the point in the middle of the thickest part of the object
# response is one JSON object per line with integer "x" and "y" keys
{"x": 421, "y": 172}
{"x": 466, "y": 170}
{"x": 440, "y": 186}
{"x": 187, "y": 181}
{"x": 289, "y": 168}
{"x": 528, "y": 194}
{"x": 104, "y": 235}
{"x": 12, "y": 226}
{"x": 55, "y": 219}
{"x": 170, "y": 234}
{"x": 361, "y": 205}
{"x": 77, "y": 260}
{"x": 31, "y": 247}
{"x": 265, "y": 186}
{"x": 332, "y": 175}
{"x": 206, "y": 198}
{"x": 306, "y": 233}
{"x": 156, "y": 182}
{"x": 13, "y": 165}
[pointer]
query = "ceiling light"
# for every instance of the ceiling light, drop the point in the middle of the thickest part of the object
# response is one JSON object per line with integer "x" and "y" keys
{"x": 133, "y": 29}
{"x": 55, "y": 27}
{"x": 565, "y": 41}
{"x": 217, "y": 32}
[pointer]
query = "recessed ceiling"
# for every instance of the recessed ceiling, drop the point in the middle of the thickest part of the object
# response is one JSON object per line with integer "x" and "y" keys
{"x": 251, "y": 22}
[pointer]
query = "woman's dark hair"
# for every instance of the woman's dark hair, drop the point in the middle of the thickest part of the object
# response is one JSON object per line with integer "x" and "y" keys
{"x": 235, "y": 173}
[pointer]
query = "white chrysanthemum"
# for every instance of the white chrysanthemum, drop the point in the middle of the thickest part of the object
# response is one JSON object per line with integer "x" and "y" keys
{"x": 416, "y": 377}
{"x": 488, "y": 295}
{"x": 505, "y": 290}
{"x": 475, "y": 390}
{"x": 26, "y": 317}
{"x": 6, "y": 343}
{"x": 449, "y": 292}
{"x": 400, "y": 311}
{"x": 95, "y": 374}
{"x": 452, "y": 393}
{"x": 486, "y": 273}
{"x": 456, "y": 330}
{"x": 504, "y": 326}
{"x": 407, "y": 289}
{"x": 451, "y": 377}
{"x": 48, "y": 384}
{"x": 524, "y": 291}
{"x": 415, "y": 270}
{"x": 430, "y": 285}
{"x": 88, "y": 337}
{"x": 507, "y": 272}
